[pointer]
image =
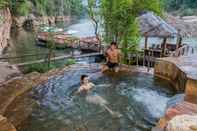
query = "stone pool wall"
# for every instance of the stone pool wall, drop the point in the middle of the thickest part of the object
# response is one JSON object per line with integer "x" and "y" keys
{"x": 170, "y": 72}
{"x": 15, "y": 104}
{"x": 181, "y": 72}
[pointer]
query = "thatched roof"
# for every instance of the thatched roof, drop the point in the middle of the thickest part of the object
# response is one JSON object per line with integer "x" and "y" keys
{"x": 153, "y": 26}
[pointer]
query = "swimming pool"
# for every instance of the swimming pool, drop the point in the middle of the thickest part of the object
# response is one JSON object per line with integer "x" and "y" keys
{"x": 140, "y": 98}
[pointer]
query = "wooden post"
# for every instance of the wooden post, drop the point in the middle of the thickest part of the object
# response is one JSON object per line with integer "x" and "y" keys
{"x": 179, "y": 39}
{"x": 179, "y": 42}
{"x": 164, "y": 46}
{"x": 145, "y": 48}
{"x": 146, "y": 42}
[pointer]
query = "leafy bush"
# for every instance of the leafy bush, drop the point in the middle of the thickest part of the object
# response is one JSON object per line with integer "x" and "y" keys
{"x": 181, "y": 7}
{"x": 187, "y": 12}
{"x": 41, "y": 68}
{"x": 3, "y": 3}
{"x": 70, "y": 62}
{"x": 21, "y": 8}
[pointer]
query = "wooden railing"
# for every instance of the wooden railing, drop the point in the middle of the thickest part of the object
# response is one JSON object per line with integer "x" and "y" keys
{"x": 183, "y": 51}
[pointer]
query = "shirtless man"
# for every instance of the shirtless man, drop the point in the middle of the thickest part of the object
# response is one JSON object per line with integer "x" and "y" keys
{"x": 113, "y": 56}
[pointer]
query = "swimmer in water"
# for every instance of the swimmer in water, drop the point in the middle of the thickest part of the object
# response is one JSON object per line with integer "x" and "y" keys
{"x": 85, "y": 84}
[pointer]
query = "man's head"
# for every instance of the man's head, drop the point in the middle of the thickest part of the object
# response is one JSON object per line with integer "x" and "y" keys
{"x": 84, "y": 79}
{"x": 113, "y": 45}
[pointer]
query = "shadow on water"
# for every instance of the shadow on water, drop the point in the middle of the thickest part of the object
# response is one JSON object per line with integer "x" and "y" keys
{"x": 138, "y": 97}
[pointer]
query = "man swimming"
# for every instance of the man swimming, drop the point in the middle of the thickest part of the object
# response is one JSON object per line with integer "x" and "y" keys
{"x": 113, "y": 58}
{"x": 93, "y": 98}
{"x": 85, "y": 84}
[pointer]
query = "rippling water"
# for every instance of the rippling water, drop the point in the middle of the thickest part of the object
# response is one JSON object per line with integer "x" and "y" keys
{"x": 139, "y": 98}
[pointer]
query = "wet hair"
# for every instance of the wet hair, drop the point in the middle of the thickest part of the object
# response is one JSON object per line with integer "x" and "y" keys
{"x": 83, "y": 77}
{"x": 114, "y": 43}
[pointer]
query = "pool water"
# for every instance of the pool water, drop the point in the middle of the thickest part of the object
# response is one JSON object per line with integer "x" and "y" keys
{"x": 139, "y": 98}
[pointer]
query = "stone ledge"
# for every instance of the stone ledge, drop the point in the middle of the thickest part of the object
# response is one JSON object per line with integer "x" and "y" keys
{"x": 187, "y": 64}
{"x": 181, "y": 72}
{"x": 5, "y": 125}
{"x": 182, "y": 108}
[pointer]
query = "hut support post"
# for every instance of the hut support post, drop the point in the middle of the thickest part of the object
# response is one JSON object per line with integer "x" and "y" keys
{"x": 146, "y": 43}
{"x": 145, "y": 48}
{"x": 164, "y": 46}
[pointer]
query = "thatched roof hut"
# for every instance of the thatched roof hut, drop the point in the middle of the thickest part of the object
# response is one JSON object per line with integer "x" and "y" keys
{"x": 153, "y": 26}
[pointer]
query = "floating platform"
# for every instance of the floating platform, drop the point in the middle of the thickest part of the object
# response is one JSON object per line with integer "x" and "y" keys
{"x": 62, "y": 40}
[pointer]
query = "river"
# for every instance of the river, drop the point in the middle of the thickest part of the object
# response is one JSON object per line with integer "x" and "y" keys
{"x": 24, "y": 42}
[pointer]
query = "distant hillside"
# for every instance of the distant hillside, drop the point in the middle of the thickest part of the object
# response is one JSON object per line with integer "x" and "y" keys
{"x": 181, "y": 7}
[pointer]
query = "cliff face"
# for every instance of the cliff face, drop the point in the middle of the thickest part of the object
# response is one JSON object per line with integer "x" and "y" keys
{"x": 5, "y": 26}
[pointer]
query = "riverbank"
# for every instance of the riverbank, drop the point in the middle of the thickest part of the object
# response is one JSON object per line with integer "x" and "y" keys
{"x": 8, "y": 72}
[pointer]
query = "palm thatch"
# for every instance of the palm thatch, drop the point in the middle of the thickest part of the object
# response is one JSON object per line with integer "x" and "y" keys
{"x": 154, "y": 26}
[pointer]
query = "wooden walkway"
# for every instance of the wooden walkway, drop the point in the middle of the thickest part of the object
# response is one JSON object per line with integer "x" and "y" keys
{"x": 59, "y": 58}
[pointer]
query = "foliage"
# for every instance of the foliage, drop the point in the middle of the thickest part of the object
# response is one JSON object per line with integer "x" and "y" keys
{"x": 93, "y": 13}
{"x": 119, "y": 20}
{"x": 43, "y": 7}
{"x": 182, "y": 7}
{"x": 21, "y": 8}
{"x": 3, "y": 3}
{"x": 57, "y": 7}
{"x": 70, "y": 62}
{"x": 51, "y": 46}
{"x": 41, "y": 68}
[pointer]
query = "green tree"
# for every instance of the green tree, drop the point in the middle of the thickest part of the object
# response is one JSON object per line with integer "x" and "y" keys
{"x": 21, "y": 8}
{"x": 93, "y": 12}
{"x": 3, "y": 3}
{"x": 119, "y": 20}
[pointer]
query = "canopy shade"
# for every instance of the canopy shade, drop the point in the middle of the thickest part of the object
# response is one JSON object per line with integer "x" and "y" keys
{"x": 154, "y": 26}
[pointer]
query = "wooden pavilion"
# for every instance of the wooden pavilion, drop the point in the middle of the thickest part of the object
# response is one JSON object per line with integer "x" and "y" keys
{"x": 154, "y": 26}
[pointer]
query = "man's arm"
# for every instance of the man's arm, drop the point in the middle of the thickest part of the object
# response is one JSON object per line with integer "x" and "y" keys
{"x": 119, "y": 56}
{"x": 79, "y": 90}
{"x": 107, "y": 55}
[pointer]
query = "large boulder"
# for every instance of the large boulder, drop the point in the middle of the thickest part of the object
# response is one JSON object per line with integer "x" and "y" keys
{"x": 5, "y": 125}
{"x": 5, "y": 26}
{"x": 183, "y": 123}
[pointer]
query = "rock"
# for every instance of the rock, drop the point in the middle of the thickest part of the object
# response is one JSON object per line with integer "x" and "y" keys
{"x": 175, "y": 100}
{"x": 8, "y": 71}
{"x": 5, "y": 26}
{"x": 19, "y": 21}
{"x": 5, "y": 125}
{"x": 183, "y": 123}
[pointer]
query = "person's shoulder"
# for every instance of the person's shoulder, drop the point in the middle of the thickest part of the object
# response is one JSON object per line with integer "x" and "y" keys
{"x": 108, "y": 50}
{"x": 92, "y": 84}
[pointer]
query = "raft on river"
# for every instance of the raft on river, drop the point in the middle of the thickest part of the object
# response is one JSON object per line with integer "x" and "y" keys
{"x": 63, "y": 40}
